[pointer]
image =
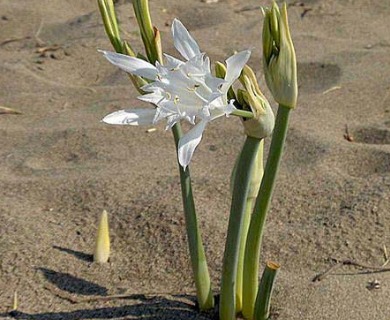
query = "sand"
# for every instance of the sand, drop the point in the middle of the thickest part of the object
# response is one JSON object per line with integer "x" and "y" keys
{"x": 60, "y": 167}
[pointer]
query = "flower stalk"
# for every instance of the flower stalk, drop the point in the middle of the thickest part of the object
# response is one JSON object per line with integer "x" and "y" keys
{"x": 152, "y": 43}
{"x": 280, "y": 71}
{"x": 148, "y": 32}
{"x": 263, "y": 300}
{"x": 110, "y": 22}
{"x": 254, "y": 185}
{"x": 242, "y": 179}
{"x": 198, "y": 258}
{"x": 259, "y": 127}
{"x": 256, "y": 227}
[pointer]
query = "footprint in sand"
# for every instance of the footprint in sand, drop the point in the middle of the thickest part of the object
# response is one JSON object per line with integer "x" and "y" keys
{"x": 371, "y": 135}
{"x": 202, "y": 16}
{"x": 62, "y": 150}
{"x": 370, "y": 156}
{"x": 365, "y": 162}
{"x": 303, "y": 149}
{"x": 314, "y": 77}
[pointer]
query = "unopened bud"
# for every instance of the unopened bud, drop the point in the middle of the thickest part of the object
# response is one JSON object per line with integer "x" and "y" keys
{"x": 157, "y": 43}
{"x": 220, "y": 72}
{"x": 102, "y": 249}
{"x": 279, "y": 61}
{"x": 262, "y": 124}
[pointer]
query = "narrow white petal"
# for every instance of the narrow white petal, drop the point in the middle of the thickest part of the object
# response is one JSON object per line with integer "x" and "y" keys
{"x": 172, "y": 62}
{"x": 131, "y": 65}
{"x": 154, "y": 97}
{"x": 183, "y": 41}
{"x": 189, "y": 142}
{"x": 135, "y": 117}
{"x": 234, "y": 66}
{"x": 230, "y": 108}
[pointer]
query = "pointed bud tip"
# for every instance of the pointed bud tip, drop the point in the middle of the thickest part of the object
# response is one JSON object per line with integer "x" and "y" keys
{"x": 102, "y": 248}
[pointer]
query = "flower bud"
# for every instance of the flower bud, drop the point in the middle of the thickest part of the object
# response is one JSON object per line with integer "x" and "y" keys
{"x": 110, "y": 22}
{"x": 262, "y": 124}
{"x": 220, "y": 72}
{"x": 102, "y": 247}
{"x": 157, "y": 44}
{"x": 148, "y": 33}
{"x": 279, "y": 61}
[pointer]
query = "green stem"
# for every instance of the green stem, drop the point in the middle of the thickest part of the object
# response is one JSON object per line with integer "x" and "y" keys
{"x": 107, "y": 12}
{"x": 243, "y": 113}
{"x": 257, "y": 174}
{"x": 153, "y": 47}
{"x": 255, "y": 233}
{"x": 227, "y": 310}
{"x": 263, "y": 300}
{"x": 198, "y": 257}
{"x": 141, "y": 10}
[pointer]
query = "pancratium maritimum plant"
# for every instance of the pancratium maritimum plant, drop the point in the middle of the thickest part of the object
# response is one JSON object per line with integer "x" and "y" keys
{"x": 186, "y": 90}
{"x": 180, "y": 90}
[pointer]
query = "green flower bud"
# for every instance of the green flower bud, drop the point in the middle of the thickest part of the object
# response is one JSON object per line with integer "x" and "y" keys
{"x": 110, "y": 22}
{"x": 220, "y": 72}
{"x": 242, "y": 98}
{"x": 279, "y": 61}
{"x": 157, "y": 44}
{"x": 148, "y": 35}
{"x": 263, "y": 122}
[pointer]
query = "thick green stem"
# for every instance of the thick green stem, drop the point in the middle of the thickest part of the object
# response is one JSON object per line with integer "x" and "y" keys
{"x": 227, "y": 309}
{"x": 263, "y": 300}
{"x": 255, "y": 233}
{"x": 257, "y": 174}
{"x": 198, "y": 257}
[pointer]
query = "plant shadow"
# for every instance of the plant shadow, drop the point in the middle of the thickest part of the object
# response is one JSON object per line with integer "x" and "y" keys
{"x": 78, "y": 254}
{"x": 157, "y": 308}
{"x": 72, "y": 284}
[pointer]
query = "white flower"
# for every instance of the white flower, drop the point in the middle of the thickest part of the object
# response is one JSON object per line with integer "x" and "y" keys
{"x": 180, "y": 90}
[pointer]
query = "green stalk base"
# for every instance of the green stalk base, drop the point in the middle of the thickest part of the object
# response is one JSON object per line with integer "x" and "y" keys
{"x": 198, "y": 258}
{"x": 256, "y": 228}
{"x": 263, "y": 300}
{"x": 257, "y": 175}
{"x": 227, "y": 308}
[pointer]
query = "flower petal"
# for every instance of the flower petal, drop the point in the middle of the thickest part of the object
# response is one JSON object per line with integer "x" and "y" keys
{"x": 131, "y": 65}
{"x": 133, "y": 117}
{"x": 183, "y": 41}
{"x": 189, "y": 142}
{"x": 234, "y": 66}
{"x": 172, "y": 62}
{"x": 155, "y": 97}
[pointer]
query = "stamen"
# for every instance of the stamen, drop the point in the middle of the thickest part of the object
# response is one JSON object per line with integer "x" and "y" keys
{"x": 189, "y": 75}
{"x": 191, "y": 89}
{"x": 196, "y": 86}
{"x": 200, "y": 97}
{"x": 176, "y": 100}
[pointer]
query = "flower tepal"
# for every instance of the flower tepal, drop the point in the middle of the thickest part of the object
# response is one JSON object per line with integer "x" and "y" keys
{"x": 180, "y": 90}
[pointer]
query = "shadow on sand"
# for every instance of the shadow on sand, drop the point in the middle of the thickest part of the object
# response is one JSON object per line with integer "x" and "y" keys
{"x": 157, "y": 308}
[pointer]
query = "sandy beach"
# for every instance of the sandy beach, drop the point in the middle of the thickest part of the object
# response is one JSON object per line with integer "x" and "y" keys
{"x": 60, "y": 166}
